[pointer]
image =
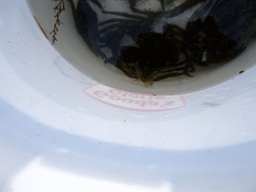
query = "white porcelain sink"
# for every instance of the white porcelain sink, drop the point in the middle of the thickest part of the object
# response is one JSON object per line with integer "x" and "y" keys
{"x": 62, "y": 131}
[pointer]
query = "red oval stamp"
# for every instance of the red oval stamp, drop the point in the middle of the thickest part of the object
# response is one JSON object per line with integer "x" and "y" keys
{"x": 133, "y": 101}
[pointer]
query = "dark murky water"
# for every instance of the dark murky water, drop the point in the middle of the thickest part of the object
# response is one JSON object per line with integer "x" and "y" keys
{"x": 148, "y": 46}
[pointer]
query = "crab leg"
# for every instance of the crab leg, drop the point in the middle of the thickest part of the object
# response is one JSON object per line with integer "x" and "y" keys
{"x": 162, "y": 4}
{"x": 117, "y": 20}
{"x": 166, "y": 76}
{"x": 124, "y": 15}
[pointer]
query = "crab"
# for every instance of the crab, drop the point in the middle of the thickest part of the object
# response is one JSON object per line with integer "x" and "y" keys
{"x": 175, "y": 50}
{"x": 109, "y": 33}
{"x": 161, "y": 60}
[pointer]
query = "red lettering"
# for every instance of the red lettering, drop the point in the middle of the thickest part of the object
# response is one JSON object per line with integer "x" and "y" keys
{"x": 141, "y": 103}
{"x": 144, "y": 97}
{"x": 114, "y": 92}
{"x": 100, "y": 94}
{"x": 134, "y": 96}
{"x": 153, "y": 103}
{"x": 129, "y": 100}
{"x": 169, "y": 103}
{"x": 124, "y": 94}
{"x": 159, "y": 97}
{"x": 115, "y": 97}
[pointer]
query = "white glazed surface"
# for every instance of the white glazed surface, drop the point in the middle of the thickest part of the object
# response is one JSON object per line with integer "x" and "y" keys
{"x": 47, "y": 81}
{"x": 57, "y": 135}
